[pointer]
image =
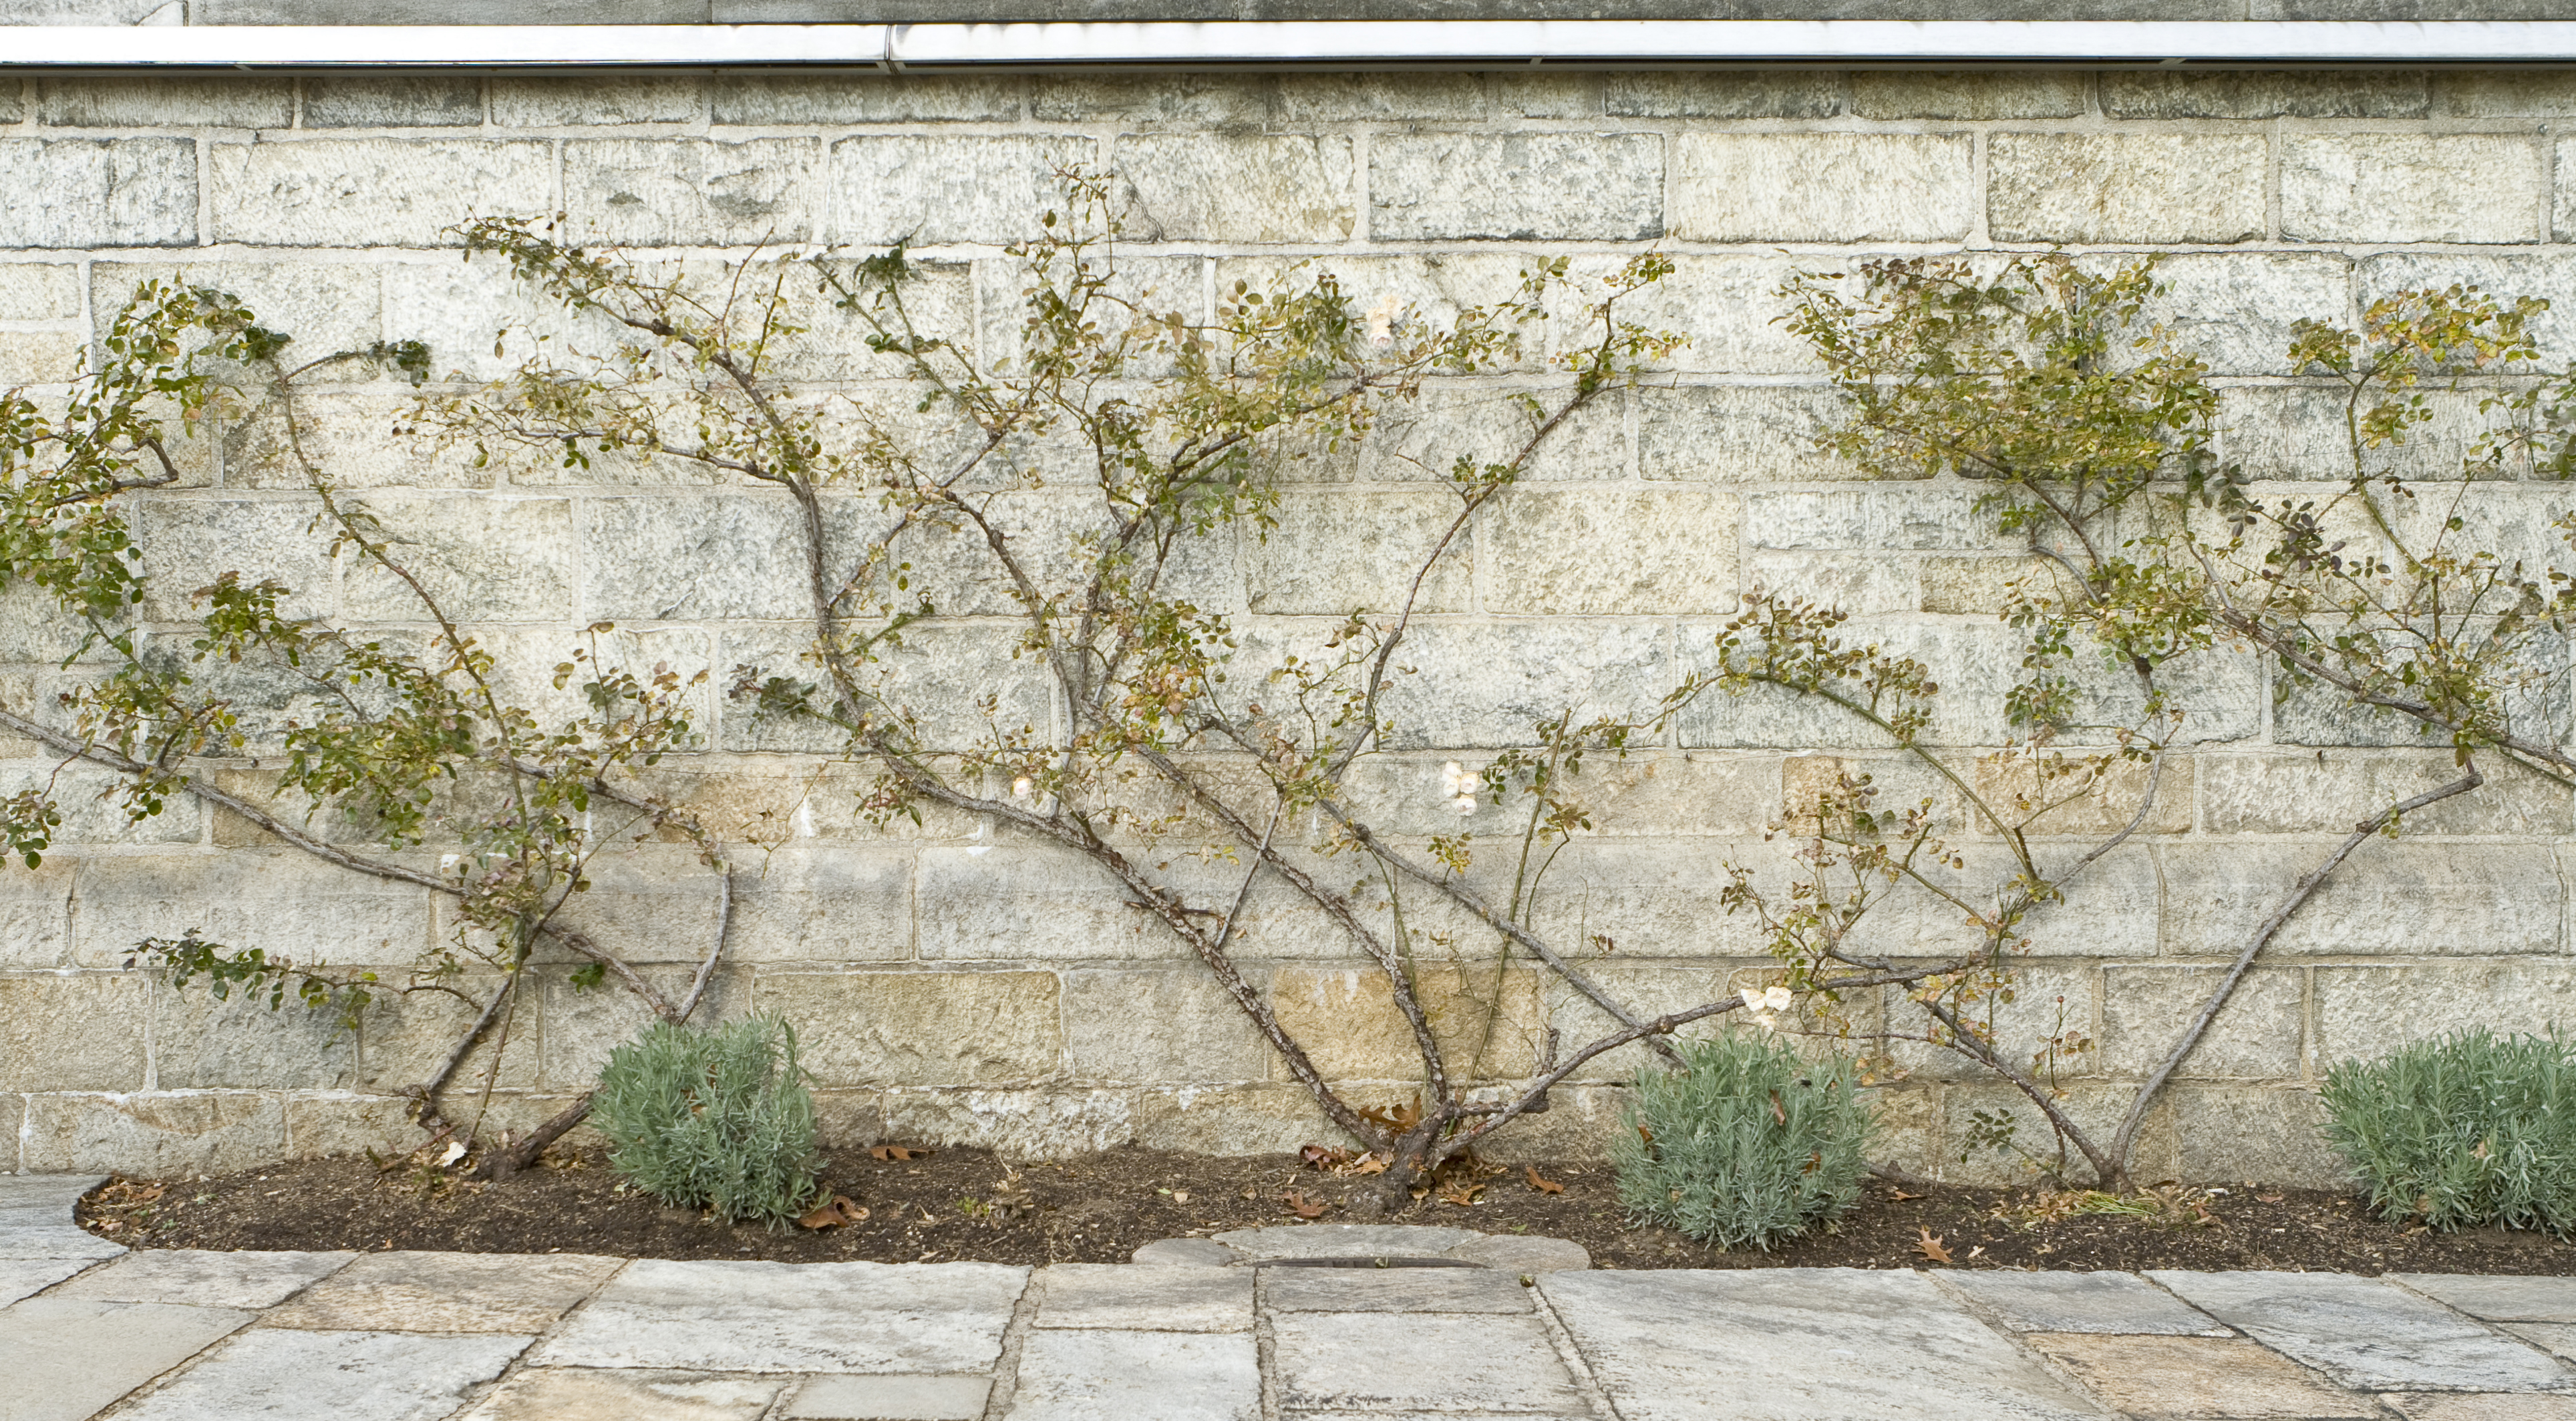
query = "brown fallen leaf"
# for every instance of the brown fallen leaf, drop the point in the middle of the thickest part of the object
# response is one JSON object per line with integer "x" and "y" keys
{"x": 1461, "y": 1193}
{"x": 832, "y": 1213}
{"x": 1368, "y": 1164}
{"x": 892, "y": 1153}
{"x": 1776, "y": 1112}
{"x": 1325, "y": 1156}
{"x": 1901, "y": 1196}
{"x": 1542, "y": 1183}
{"x": 1645, "y": 1134}
{"x": 1302, "y": 1206}
{"x": 2269, "y": 1198}
{"x": 1930, "y": 1247}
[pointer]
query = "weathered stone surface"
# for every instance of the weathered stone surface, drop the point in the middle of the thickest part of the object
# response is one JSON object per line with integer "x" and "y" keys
{"x": 1970, "y": 95}
{"x": 1343, "y": 1240}
{"x": 326, "y": 306}
{"x": 1343, "y": 98}
{"x": 1335, "y": 552}
{"x": 1573, "y": 551}
{"x": 26, "y": 1277}
{"x": 2403, "y": 897}
{"x": 2313, "y": 794}
{"x": 1356, "y": 1362}
{"x": 36, "y": 1220}
{"x": 2558, "y": 1337}
{"x": 1033, "y": 1124}
{"x": 1876, "y": 519}
{"x": 2499, "y": 1299}
{"x": 1140, "y": 1298}
{"x": 62, "y": 1031}
{"x": 200, "y": 1278}
{"x": 1349, "y": 1024}
{"x": 2489, "y": 1406}
{"x": 152, "y": 1134}
{"x": 782, "y": 99}
{"x": 1404, "y": 1290}
{"x": 1514, "y": 1255}
{"x": 777, "y": 1317}
{"x": 2081, "y": 1302}
{"x": 1738, "y": 94}
{"x": 2235, "y": 310}
{"x": 847, "y": 1398}
{"x": 248, "y": 899}
{"x": 1213, "y": 100}
{"x": 939, "y": 190}
{"x": 370, "y": 192}
{"x": 133, "y": 192}
{"x": 69, "y": 1359}
{"x": 1256, "y": 188}
{"x": 1516, "y": 187}
{"x": 919, "y": 1028}
{"x": 811, "y": 904}
{"x": 2255, "y": 93}
{"x": 215, "y": 101}
{"x": 318, "y": 1376}
{"x": 2196, "y": 1376}
{"x": 1889, "y": 1343}
{"x": 392, "y": 101}
{"x": 2133, "y": 187}
{"x": 40, "y": 358}
{"x": 1186, "y": 1253}
{"x": 447, "y": 1292}
{"x": 571, "y": 1394}
{"x": 1177, "y": 1025}
{"x": 1737, "y": 434}
{"x": 557, "y": 101}
{"x": 1229, "y": 1120}
{"x": 2508, "y": 93}
{"x": 687, "y": 191}
{"x": 2256, "y": 1035}
{"x": 2406, "y": 187}
{"x": 39, "y": 291}
{"x": 1482, "y": 686}
{"x": 2366, "y": 1334}
{"x": 1152, "y": 1376}
{"x": 1819, "y": 188}
{"x": 684, "y": 556}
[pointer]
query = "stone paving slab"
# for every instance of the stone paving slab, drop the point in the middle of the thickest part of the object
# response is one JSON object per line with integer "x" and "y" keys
{"x": 1343, "y": 1240}
{"x": 2485, "y": 1406}
{"x": 1813, "y": 1344}
{"x": 2368, "y": 1335}
{"x": 2196, "y": 1376}
{"x": 204, "y": 1278}
{"x": 25, "y": 1277}
{"x": 66, "y": 1358}
{"x": 1103, "y": 1375}
{"x": 36, "y": 1217}
{"x": 1432, "y": 1290}
{"x": 2499, "y": 1299}
{"x": 2082, "y": 1302}
{"x": 292, "y": 1375}
{"x": 567, "y": 1394}
{"x": 1359, "y": 1362}
{"x": 789, "y": 1317}
{"x": 2558, "y": 1337}
{"x": 881, "y": 1398}
{"x": 1139, "y": 1298}
{"x": 447, "y": 1292}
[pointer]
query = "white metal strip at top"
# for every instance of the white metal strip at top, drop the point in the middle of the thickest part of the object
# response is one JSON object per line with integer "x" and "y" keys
{"x": 1235, "y": 43}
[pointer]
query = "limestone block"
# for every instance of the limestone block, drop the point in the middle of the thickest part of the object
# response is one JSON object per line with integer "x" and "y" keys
{"x": 1548, "y": 95}
{"x": 1344, "y": 98}
{"x": 582, "y": 1393}
{"x": 2507, "y": 276}
{"x": 2264, "y": 1134}
{"x": 323, "y": 308}
{"x": 1485, "y": 685}
{"x": 1430, "y": 291}
{"x": 582, "y": 1027}
{"x": 1152, "y": 284}
{"x": 1901, "y": 94}
{"x": 1174, "y": 1025}
{"x": 2562, "y": 216}
{"x": 1024, "y": 901}
{"x": 1822, "y": 187}
{"x": 2051, "y": 997}
{"x": 2366, "y": 1012}
{"x": 94, "y": 809}
{"x": 2388, "y": 898}
{"x": 2293, "y": 433}
{"x": 482, "y": 323}
{"x": 692, "y": 556}
{"x": 2254, "y": 93}
{"x": 558, "y": 101}
{"x": 40, "y": 358}
{"x": 939, "y": 676}
{"x": 392, "y": 101}
{"x": 2080, "y": 805}
{"x": 2410, "y": 187}
{"x": 919, "y": 1028}
{"x": 1985, "y": 586}
{"x": 1333, "y": 553}
{"x": 2125, "y": 187}
{"x": 1723, "y": 94}
{"x": 2095, "y": 1109}
{"x": 2508, "y": 93}
{"x": 934, "y": 191}
{"x": 1864, "y": 584}
{"x": 1348, "y": 1023}
{"x": 940, "y": 298}
{"x": 2256, "y": 1036}
{"x": 2235, "y": 310}
{"x": 35, "y": 914}
{"x": 1516, "y": 187}
{"x": 359, "y": 439}
{"x": 406, "y": 1036}
{"x": 494, "y": 559}
{"x": 687, "y": 191}
{"x": 1649, "y": 795}
{"x": 1236, "y": 187}
{"x": 1875, "y": 519}
{"x": 286, "y": 901}
{"x": 323, "y": 1124}
{"x": 1231, "y": 1120}
{"x": 1587, "y": 551}
{"x": 2306, "y": 794}
{"x": 1721, "y": 306}
{"x": 72, "y": 1031}
{"x": 199, "y": 1043}
{"x": 765, "y": 99}
{"x": 134, "y": 192}
{"x": 446, "y": 1292}
{"x": 371, "y": 192}
{"x": 1422, "y": 440}
{"x": 812, "y": 904}
{"x": 1738, "y": 434}
{"x": 39, "y": 291}
{"x": 1194, "y": 100}
{"x": 152, "y": 1135}
{"x": 218, "y": 101}
{"x": 1016, "y": 1124}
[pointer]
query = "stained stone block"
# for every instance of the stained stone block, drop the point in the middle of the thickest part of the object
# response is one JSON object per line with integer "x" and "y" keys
{"x": 1577, "y": 551}
{"x": 1411, "y": 1291}
{"x": 2197, "y": 1376}
{"x": 1971, "y": 95}
{"x": 1033, "y": 1124}
{"x": 35, "y": 915}
{"x": 1237, "y": 187}
{"x": 933, "y": 191}
{"x": 69, "y": 1359}
{"x": 1149, "y": 1376}
{"x": 693, "y": 556}
{"x": 2257, "y": 1035}
{"x": 321, "y": 1376}
{"x": 371, "y": 192}
{"x": 2366, "y": 1334}
{"x": 40, "y": 358}
{"x": 2235, "y": 310}
{"x": 199, "y": 1043}
{"x": 63, "y": 1032}
{"x": 2403, "y": 897}
{"x": 1018, "y": 901}
{"x": 2254, "y": 93}
{"x": 1346, "y": 98}
{"x": 447, "y": 1292}
{"x": 919, "y": 1028}
{"x": 2125, "y": 187}
{"x": 692, "y": 192}
{"x": 791, "y": 99}
{"x": 495, "y": 559}
{"x": 249, "y": 900}
{"x": 1723, "y": 94}
{"x": 1349, "y": 1025}
{"x": 1195, "y": 100}
{"x": 133, "y": 192}
{"x": 942, "y": 1318}
{"x": 35, "y": 291}
{"x": 248, "y": 1280}
{"x": 2410, "y": 187}
{"x": 1148, "y": 1299}
{"x": 1879, "y": 520}
{"x": 220, "y": 101}
{"x": 1516, "y": 187}
{"x": 2081, "y": 1302}
{"x": 392, "y": 101}
{"x": 1485, "y": 685}
{"x": 1821, "y": 188}
{"x": 1729, "y": 434}
{"x": 1229, "y": 1120}
{"x": 2329, "y": 794}
{"x": 557, "y": 101}
{"x": 572, "y": 1394}
{"x": 1721, "y": 306}
{"x": 1356, "y": 1362}
{"x": 152, "y": 1134}
{"x": 1177, "y": 1025}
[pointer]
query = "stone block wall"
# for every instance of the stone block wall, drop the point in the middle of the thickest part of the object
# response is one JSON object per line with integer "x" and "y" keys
{"x": 957, "y": 985}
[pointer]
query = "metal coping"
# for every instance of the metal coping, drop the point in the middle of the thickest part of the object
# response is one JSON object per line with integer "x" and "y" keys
{"x": 1340, "y": 45}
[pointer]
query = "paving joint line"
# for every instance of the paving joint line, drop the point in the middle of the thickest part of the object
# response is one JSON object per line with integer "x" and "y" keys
{"x": 1577, "y": 1366}
{"x": 1265, "y": 1345}
{"x": 519, "y": 1362}
{"x": 1015, "y": 1335}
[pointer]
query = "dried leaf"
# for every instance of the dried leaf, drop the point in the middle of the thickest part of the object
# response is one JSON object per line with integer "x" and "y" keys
{"x": 891, "y": 1153}
{"x": 1461, "y": 1193}
{"x": 1542, "y": 1183}
{"x": 832, "y": 1213}
{"x": 1901, "y": 1196}
{"x": 1776, "y": 1112}
{"x": 1368, "y": 1164}
{"x": 1646, "y": 1135}
{"x": 1930, "y": 1246}
{"x": 1324, "y": 1156}
{"x": 1302, "y": 1206}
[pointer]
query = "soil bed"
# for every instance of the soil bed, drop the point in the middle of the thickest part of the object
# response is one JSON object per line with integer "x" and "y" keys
{"x": 956, "y": 1204}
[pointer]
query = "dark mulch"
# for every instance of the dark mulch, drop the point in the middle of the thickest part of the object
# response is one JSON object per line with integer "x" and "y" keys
{"x": 959, "y": 1204}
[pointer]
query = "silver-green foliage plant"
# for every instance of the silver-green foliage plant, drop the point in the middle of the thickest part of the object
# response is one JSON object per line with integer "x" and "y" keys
{"x": 1746, "y": 1143}
{"x": 2468, "y": 1130}
{"x": 718, "y": 1119}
